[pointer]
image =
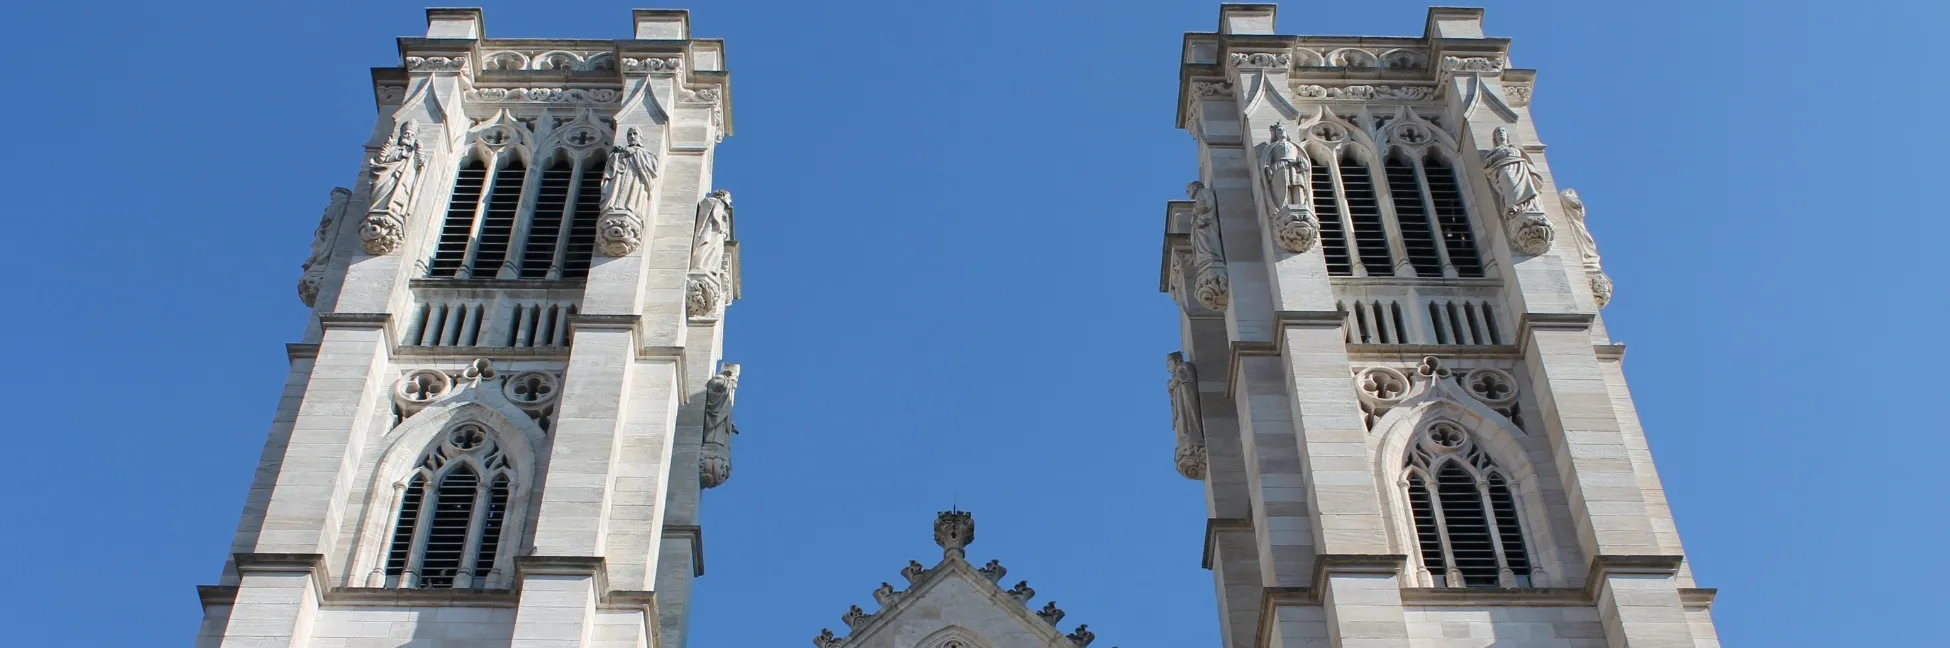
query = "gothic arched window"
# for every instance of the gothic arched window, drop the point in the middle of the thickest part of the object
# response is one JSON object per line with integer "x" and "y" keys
{"x": 561, "y": 228}
{"x": 480, "y": 223}
{"x": 509, "y": 219}
{"x": 1466, "y": 524}
{"x": 1402, "y": 215}
{"x": 448, "y": 530}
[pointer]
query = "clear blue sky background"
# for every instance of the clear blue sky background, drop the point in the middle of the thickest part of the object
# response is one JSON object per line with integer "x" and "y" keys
{"x": 950, "y": 217}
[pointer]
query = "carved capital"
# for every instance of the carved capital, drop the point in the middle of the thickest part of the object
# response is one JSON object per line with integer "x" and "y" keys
{"x": 713, "y": 465}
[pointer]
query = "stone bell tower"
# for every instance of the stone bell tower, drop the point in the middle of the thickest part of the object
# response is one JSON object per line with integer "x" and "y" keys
{"x": 499, "y": 419}
{"x": 1395, "y": 386}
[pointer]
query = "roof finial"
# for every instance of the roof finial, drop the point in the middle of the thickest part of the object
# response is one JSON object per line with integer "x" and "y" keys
{"x": 954, "y": 529}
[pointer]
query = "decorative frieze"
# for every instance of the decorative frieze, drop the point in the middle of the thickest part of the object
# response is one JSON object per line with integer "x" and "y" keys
{"x": 1471, "y": 64}
{"x": 544, "y": 95}
{"x": 1259, "y": 60}
{"x": 1518, "y": 93}
{"x": 1212, "y": 89}
{"x": 650, "y": 65}
{"x": 553, "y": 60}
{"x": 1365, "y": 92}
{"x": 438, "y": 64}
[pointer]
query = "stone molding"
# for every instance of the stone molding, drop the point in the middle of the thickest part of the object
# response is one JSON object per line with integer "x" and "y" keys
{"x": 1216, "y": 526}
{"x": 696, "y": 534}
{"x": 296, "y": 351}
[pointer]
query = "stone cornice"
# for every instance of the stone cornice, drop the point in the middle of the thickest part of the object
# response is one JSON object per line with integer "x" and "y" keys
{"x": 696, "y": 535}
{"x": 314, "y": 564}
{"x": 301, "y": 351}
{"x": 1215, "y": 526}
{"x": 1204, "y": 56}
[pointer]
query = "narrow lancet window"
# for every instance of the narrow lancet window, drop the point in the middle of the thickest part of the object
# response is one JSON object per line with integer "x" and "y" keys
{"x": 1467, "y": 527}
{"x": 1364, "y": 211}
{"x": 451, "y": 537}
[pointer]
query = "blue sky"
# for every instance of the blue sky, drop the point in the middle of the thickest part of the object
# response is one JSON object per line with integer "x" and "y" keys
{"x": 950, "y": 223}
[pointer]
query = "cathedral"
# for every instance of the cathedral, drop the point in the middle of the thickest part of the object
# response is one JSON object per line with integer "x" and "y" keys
{"x": 1394, "y": 383}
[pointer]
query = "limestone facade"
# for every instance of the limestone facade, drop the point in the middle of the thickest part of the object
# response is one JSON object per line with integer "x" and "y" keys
{"x": 492, "y": 427}
{"x": 1411, "y": 425}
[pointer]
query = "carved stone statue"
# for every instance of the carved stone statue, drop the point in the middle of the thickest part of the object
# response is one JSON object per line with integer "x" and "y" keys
{"x": 312, "y": 277}
{"x": 1209, "y": 284}
{"x": 1518, "y": 188}
{"x": 1185, "y": 421}
{"x": 395, "y": 172}
{"x": 1287, "y": 174}
{"x": 1288, "y": 171}
{"x": 714, "y": 458}
{"x": 628, "y": 179}
{"x": 1587, "y": 246}
{"x": 1050, "y": 613}
{"x": 706, "y": 283}
{"x": 954, "y": 530}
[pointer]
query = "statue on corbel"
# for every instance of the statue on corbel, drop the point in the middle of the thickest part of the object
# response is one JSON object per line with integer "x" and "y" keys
{"x": 714, "y": 458}
{"x": 1519, "y": 188}
{"x": 395, "y": 174}
{"x": 1587, "y": 246}
{"x": 1287, "y": 174}
{"x": 708, "y": 278}
{"x": 1186, "y": 423}
{"x": 312, "y": 276}
{"x": 628, "y": 181}
{"x": 1209, "y": 282}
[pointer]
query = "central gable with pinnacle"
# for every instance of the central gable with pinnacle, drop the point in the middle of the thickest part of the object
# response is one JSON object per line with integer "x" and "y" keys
{"x": 955, "y": 605}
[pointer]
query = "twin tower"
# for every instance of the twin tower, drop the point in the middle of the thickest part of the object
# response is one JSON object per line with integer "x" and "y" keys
{"x": 1410, "y": 424}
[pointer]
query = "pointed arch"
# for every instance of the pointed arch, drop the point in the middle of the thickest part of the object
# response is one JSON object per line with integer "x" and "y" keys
{"x": 954, "y": 637}
{"x": 411, "y": 477}
{"x": 1438, "y": 448}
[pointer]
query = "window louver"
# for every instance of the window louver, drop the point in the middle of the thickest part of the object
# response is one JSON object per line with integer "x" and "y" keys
{"x": 582, "y": 232}
{"x": 1364, "y": 210}
{"x": 1333, "y": 238}
{"x": 1418, "y": 239}
{"x": 1446, "y": 195}
{"x": 545, "y": 229}
{"x": 458, "y": 229}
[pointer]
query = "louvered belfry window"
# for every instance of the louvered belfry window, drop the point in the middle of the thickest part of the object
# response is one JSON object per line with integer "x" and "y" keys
{"x": 448, "y": 531}
{"x": 1403, "y": 216}
{"x": 1467, "y": 527}
{"x": 507, "y": 220}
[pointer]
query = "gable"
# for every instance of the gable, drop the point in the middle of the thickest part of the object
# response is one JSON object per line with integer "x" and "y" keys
{"x": 952, "y": 603}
